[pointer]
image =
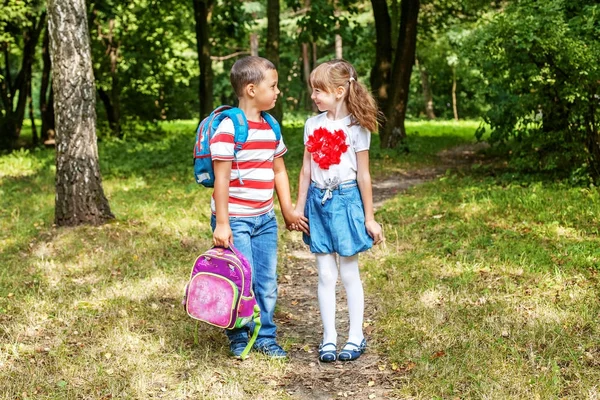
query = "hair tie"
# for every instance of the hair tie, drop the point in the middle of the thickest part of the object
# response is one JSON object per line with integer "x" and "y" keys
{"x": 351, "y": 79}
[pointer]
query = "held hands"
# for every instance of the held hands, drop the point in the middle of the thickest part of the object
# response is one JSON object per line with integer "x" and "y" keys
{"x": 222, "y": 236}
{"x": 374, "y": 230}
{"x": 296, "y": 221}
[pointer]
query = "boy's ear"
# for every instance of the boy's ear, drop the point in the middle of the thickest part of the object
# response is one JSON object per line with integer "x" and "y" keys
{"x": 250, "y": 89}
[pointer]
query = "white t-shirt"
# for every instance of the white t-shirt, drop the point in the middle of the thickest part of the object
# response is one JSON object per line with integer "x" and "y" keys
{"x": 356, "y": 137}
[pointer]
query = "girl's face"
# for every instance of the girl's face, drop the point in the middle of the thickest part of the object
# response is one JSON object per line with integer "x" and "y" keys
{"x": 324, "y": 100}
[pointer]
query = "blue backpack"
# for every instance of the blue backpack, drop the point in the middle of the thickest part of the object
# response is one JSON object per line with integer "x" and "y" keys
{"x": 203, "y": 166}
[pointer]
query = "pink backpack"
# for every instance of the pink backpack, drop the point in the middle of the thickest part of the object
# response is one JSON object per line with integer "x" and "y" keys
{"x": 220, "y": 291}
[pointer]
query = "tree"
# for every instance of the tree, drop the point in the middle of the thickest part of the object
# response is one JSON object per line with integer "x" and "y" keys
{"x": 272, "y": 50}
{"x": 540, "y": 62}
{"x": 46, "y": 100}
{"x": 79, "y": 195}
{"x": 20, "y": 24}
{"x": 390, "y": 80}
{"x": 202, "y": 9}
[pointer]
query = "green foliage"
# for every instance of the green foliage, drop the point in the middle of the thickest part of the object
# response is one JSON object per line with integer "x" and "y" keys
{"x": 156, "y": 64}
{"x": 542, "y": 81}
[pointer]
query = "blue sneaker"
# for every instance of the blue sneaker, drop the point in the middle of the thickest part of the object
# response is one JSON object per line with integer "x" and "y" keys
{"x": 237, "y": 347}
{"x": 270, "y": 348}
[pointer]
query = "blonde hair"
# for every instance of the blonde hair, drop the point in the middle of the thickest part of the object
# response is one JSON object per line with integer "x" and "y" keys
{"x": 248, "y": 70}
{"x": 360, "y": 102}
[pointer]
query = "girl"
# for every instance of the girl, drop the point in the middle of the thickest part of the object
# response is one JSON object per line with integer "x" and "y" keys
{"x": 335, "y": 194}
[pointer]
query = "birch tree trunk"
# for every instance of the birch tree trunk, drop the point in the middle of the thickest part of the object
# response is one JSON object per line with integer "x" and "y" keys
{"x": 79, "y": 195}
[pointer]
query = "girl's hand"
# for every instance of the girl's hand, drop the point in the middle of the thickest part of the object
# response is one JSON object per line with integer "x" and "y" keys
{"x": 222, "y": 236}
{"x": 298, "y": 222}
{"x": 374, "y": 230}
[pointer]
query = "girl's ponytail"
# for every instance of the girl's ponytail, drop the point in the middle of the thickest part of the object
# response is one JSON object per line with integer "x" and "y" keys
{"x": 362, "y": 105}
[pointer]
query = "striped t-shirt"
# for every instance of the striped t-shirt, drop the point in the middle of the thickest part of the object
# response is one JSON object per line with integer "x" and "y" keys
{"x": 254, "y": 163}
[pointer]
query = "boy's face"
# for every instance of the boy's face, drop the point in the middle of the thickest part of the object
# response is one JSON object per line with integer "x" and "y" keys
{"x": 265, "y": 93}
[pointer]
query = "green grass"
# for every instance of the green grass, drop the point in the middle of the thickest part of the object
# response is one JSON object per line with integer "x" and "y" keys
{"x": 486, "y": 288}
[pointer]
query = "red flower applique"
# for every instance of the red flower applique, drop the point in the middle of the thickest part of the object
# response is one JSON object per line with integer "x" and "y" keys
{"x": 327, "y": 147}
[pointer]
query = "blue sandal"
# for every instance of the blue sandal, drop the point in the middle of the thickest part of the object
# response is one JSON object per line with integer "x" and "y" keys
{"x": 327, "y": 355}
{"x": 352, "y": 351}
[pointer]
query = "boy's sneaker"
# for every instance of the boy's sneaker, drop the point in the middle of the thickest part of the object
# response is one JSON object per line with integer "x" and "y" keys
{"x": 237, "y": 347}
{"x": 270, "y": 348}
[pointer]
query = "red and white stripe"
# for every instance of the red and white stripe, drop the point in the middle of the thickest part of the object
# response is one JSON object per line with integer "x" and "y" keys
{"x": 254, "y": 163}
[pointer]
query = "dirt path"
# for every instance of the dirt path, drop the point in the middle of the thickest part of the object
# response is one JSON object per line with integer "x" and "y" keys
{"x": 371, "y": 377}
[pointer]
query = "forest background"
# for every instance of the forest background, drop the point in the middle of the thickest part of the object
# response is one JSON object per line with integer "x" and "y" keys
{"x": 487, "y": 286}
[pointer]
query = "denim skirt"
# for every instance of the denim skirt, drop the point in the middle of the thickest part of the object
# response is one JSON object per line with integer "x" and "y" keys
{"x": 337, "y": 220}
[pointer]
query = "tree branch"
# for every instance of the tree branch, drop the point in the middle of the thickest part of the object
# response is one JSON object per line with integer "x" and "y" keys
{"x": 223, "y": 58}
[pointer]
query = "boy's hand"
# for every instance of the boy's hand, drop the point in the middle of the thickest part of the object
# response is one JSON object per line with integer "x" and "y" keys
{"x": 222, "y": 236}
{"x": 374, "y": 230}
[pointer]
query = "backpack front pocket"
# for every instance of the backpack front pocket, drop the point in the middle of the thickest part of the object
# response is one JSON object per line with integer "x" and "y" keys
{"x": 213, "y": 299}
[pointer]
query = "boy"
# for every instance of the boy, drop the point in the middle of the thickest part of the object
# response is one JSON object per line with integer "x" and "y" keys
{"x": 243, "y": 214}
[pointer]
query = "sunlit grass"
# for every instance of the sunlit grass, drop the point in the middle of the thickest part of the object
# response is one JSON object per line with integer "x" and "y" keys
{"x": 486, "y": 288}
{"x": 492, "y": 287}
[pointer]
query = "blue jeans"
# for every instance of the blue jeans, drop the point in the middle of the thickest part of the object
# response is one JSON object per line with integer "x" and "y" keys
{"x": 256, "y": 238}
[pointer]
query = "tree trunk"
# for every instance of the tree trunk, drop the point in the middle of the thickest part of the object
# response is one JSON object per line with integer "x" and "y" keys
{"x": 454, "y": 103}
{"x": 34, "y": 134}
{"x": 272, "y": 49}
{"x": 79, "y": 195}
{"x": 592, "y": 130}
{"x": 427, "y": 94}
{"x": 254, "y": 44}
{"x": 339, "y": 49}
{"x": 115, "y": 90}
{"x": 395, "y": 131}
{"x": 202, "y": 11}
{"x": 46, "y": 99}
{"x": 380, "y": 73}
{"x": 11, "y": 124}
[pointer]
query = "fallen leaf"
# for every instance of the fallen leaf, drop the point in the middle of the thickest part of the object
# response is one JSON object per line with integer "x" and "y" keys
{"x": 381, "y": 367}
{"x": 438, "y": 354}
{"x": 107, "y": 356}
{"x": 371, "y": 383}
{"x": 372, "y": 396}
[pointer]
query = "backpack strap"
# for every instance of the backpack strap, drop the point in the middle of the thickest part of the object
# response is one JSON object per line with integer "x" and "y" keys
{"x": 240, "y": 129}
{"x": 240, "y": 126}
{"x": 257, "y": 325}
{"x": 274, "y": 125}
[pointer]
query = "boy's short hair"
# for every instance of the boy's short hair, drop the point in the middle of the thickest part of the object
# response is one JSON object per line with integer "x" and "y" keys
{"x": 248, "y": 70}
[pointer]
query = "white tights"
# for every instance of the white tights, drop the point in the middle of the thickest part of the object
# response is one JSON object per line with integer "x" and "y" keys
{"x": 328, "y": 274}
